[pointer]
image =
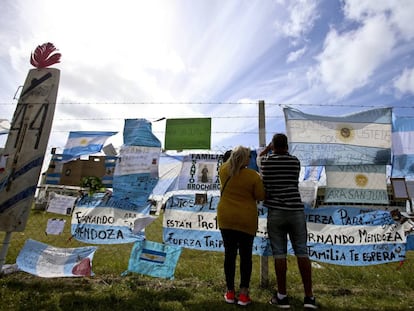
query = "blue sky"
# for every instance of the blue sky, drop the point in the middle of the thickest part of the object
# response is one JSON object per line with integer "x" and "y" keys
{"x": 121, "y": 58}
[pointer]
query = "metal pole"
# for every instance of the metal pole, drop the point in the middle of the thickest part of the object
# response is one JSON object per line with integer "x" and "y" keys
{"x": 264, "y": 264}
{"x": 4, "y": 250}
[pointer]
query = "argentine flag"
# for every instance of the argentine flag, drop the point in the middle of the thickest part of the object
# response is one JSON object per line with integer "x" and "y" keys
{"x": 154, "y": 259}
{"x": 359, "y": 138}
{"x": 403, "y": 147}
{"x": 83, "y": 142}
{"x": 356, "y": 184}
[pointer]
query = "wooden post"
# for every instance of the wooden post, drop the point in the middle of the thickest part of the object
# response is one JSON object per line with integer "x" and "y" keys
{"x": 264, "y": 264}
{"x": 26, "y": 146}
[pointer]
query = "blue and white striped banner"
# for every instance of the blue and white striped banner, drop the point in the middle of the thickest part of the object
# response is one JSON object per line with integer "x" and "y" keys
{"x": 354, "y": 236}
{"x": 356, "y": 184}
{"x": 359, "y": 138}
{"x": 101, "y": 220}
{"x": 403, "y": 147}
{"x": 50, "y": 262}
{"x": 338, "y": 235}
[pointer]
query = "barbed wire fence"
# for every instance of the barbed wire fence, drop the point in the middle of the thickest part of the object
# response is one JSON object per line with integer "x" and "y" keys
{"x": 119, "y": 254}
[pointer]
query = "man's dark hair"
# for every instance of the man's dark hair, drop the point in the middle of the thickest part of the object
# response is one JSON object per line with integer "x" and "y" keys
{"x": 280, "y": 141}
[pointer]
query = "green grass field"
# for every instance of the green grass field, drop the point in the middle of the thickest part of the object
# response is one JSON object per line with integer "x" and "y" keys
{"x": 198, "y": 284}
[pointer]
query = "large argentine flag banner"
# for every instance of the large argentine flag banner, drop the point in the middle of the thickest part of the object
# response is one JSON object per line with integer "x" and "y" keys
{"x": 188, "y": 224}
{"x": 83, "y": 142}
{"x": 356, "y": 183}
{"x": 50, "y": 262}
{"x": 403, "y": 147}
{"x": 359, "y": 138}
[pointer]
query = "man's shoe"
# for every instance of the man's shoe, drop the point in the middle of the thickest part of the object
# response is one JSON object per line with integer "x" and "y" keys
{"x": 281, "y": 303}
{"x": 229, "y": 296}
{"x": 244, "y": 300}
{"x": 310, "y": 303}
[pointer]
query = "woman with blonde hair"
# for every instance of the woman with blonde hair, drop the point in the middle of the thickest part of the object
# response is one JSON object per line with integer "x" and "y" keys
{"x": 237, "y": 217}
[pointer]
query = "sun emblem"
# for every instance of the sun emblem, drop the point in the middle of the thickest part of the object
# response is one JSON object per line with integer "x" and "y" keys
{"x": 361, "y": 180}
{"x": 345, "y": 133}
{"x": 83, "y": 142}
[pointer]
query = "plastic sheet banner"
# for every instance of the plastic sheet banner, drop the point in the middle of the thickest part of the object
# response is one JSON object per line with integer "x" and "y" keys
{"x": 359, "y": 138}
{"x": 181, "y": 134}
{"x": 49, "y": 262}
{"x": 136, "y": 169}
{"x": 136, "y": 174}
{"x": 154, "y": 259}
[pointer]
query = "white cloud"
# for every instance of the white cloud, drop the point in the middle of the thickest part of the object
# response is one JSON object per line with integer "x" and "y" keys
{"x": 405, "y": 82}
{"x": 399, "y": 13}
{"x": 295, "y": 55}
{"x": 302, "y": 15}
{"x": 350, "y": 59}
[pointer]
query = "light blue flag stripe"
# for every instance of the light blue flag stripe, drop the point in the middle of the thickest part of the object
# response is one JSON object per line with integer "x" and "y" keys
{"x": 153, "y": 256}
{"x": 379, "y": 115}
{"x": 403, "y": 154}
{"x": 348, "y": 216}
{"x": 342, "y": 195}
{"x": 135, "y": 188}
{"x": 138, "y": 132}
{"x": 362, "y": 255}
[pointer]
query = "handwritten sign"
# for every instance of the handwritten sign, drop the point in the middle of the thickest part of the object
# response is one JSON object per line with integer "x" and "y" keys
{"x": 191, "y": 225}
{"x": 55, "y": 226}
{"x": 100, "y": 220}
{"x": 60, "y": 204}
{"x": 136, "y": 173}
{"x": 338, "y": 235}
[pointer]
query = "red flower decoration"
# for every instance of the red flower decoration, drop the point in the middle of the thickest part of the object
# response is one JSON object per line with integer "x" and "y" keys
{"x": 45, "y": 55}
